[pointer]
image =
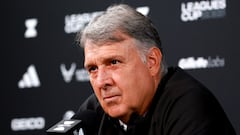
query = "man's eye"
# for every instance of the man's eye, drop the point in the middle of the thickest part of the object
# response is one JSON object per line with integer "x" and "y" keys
{"x": 92, "y": 69}
{"x": 114, "y": 61}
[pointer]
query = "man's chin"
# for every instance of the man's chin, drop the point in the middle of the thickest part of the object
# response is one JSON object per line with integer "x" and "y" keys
{"x": 115, "y": 112}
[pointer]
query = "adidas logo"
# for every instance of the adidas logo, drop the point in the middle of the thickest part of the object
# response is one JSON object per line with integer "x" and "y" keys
{"x": 30, "y": 78}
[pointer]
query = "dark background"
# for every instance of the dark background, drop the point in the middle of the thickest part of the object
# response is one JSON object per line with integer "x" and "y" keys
{"x": 214, "y": 35}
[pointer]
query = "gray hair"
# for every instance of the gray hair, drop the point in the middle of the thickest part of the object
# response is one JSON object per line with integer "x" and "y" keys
{"x": 125, "y": 19}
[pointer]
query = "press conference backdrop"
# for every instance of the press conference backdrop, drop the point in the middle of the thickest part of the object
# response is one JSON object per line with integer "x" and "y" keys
{"x": 42, "y": 74}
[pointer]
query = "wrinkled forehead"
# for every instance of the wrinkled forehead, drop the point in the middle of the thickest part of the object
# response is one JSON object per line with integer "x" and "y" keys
{"x": 108, "y": 38}
{"x": 117, "y": 43}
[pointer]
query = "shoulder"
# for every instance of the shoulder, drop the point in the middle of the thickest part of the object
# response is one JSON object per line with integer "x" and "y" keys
{"x": 183, "y": 93}
{"x": 178, "y": 84}
{"x": 187, "y": 106}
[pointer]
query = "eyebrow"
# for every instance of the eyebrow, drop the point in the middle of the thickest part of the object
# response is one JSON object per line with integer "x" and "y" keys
{"x": 105, "y": 60}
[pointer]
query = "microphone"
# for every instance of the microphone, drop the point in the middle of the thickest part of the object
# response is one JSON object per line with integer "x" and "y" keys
{"x": 85, "y": 121}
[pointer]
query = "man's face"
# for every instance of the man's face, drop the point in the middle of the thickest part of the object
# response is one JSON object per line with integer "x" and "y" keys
{"x": 121, "y": 81}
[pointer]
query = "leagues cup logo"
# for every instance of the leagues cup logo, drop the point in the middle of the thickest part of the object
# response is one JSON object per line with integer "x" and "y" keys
{"x": 192, "y": 11}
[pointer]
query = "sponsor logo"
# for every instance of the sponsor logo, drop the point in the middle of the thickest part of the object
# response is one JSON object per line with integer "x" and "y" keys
{"x": 61, "y": 127}
{"x": 192, "y": 11}
{"x": 77, "y": 22}
{"x": 81, "y": 75}
{"x": 64, "y": 126}
{"x": 143, "y": 10}
{"x": 30, "y": 78}
{"x": 201, "y": 62}
{"x": 31, "y": 25}
{"x": 22, "y": 124}
{"x": 67, "y": 124}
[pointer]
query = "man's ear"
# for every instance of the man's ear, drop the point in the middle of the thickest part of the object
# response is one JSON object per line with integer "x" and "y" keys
{"x": 154, "y": 58}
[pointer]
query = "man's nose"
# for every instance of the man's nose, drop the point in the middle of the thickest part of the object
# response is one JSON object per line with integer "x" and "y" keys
{"x": 103, "y": 78}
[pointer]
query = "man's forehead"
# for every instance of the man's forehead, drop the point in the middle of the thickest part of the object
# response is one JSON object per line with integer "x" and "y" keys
{"x": 106, "y": 39}
{"x": 108, "y": 49}
{"x": 125, "y": 44}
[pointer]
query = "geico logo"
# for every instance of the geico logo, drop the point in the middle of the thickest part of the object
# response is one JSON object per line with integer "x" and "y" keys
{"x": 27, "y": 124}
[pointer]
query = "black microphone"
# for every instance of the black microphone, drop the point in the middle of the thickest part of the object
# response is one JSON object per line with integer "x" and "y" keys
{"x": 85, "y": 120}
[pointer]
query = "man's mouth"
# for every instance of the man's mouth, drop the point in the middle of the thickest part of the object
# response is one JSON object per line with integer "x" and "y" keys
{"x": 111, "y": 98}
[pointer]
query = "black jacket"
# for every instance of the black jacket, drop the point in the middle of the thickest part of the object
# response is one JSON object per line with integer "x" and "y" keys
{"x": 181, "y": 106}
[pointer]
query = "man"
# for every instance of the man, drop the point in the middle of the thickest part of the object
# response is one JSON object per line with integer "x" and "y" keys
{"x": 135, "y": 92}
